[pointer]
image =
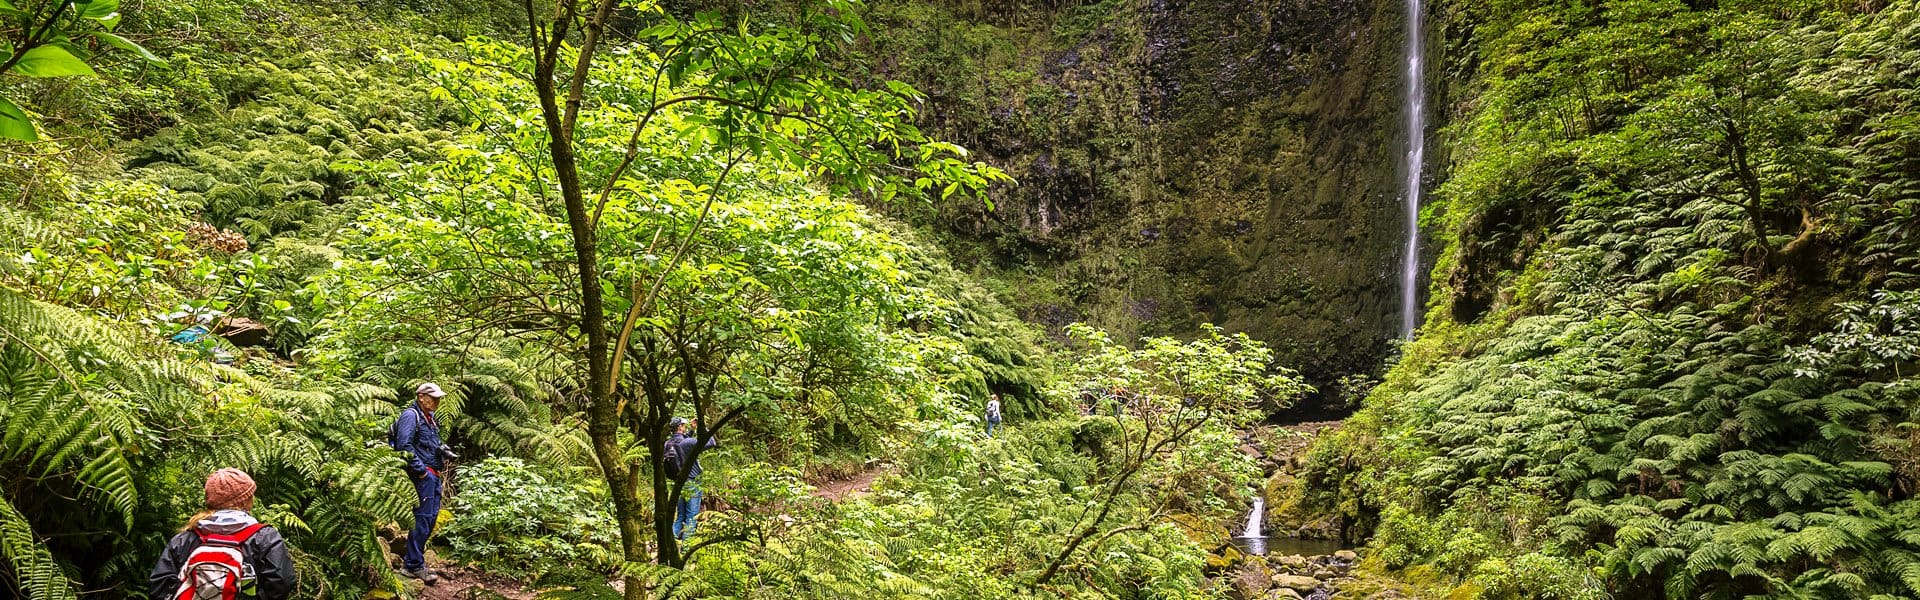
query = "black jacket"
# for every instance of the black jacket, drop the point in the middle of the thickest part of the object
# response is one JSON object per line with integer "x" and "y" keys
{"x": 686, "y": 445}
{"x": 266, "y": 551}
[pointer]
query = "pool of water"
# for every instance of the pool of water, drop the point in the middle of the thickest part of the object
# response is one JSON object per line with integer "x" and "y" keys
{"x": 1282, "y": 546}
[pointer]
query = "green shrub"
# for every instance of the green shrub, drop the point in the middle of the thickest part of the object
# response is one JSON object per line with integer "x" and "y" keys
{"x": 509, "y": 519}
{"x": 1536, "y": 576}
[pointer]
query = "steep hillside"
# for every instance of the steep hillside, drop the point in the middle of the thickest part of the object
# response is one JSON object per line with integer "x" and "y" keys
{"x": 1179, "y": 162}
{"x": 1675, "y": 333}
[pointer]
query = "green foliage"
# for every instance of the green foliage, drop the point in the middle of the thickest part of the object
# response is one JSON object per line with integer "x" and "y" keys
{"x": 509, "y": 519}
{"x": 1703, "y": 369}
{"x": 271, "y": 166}
{"x": 109, "y": 417}
{"x": 997, "y": 352}
{"x": 110, "y": 427}
{"x": 969, "y": 518}
{"x": 1221, "y": 374}
{"x": 40, "y": 43}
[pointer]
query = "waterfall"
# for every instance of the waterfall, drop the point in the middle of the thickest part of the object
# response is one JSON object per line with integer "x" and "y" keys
{"x": 1254, "y": 517}
{"x": 1416, "y": 152}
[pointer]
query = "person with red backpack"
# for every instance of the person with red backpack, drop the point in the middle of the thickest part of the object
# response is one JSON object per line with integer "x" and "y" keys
{"x": 224, "y": 553}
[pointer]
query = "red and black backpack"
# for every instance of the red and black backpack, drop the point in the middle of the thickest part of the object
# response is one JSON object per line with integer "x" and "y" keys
{"x": 217, "y": 569}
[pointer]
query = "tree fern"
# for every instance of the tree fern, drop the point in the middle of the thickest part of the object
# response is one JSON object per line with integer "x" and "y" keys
{"x": 33, "y": 567}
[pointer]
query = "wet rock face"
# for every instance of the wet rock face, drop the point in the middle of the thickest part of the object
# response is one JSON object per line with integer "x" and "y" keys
{"x": 1224, "y": 161}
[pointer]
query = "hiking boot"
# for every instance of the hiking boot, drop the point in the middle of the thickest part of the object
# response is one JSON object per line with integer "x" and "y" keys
{"x": 425, "y": 576}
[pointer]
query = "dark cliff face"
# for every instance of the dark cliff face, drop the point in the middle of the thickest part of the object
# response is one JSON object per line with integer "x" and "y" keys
{"x": 1222, "y": 161}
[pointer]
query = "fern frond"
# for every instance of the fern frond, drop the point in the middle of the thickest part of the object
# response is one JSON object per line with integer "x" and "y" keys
{"x": 33, "y": 566}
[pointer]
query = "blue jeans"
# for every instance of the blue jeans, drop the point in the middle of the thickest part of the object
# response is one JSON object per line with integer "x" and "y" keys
{"x": 427, "y": 488}
{"x": 688, "y": 509}
{"x": 991, "y": 424}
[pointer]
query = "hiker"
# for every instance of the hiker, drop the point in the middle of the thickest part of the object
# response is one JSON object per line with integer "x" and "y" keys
{"x": 1120, "y": 398}
{"x": 993, "y": 413}
{"x": 417, "y": 434}
{"x": 680, "y": 449}
{"x": 196, "y": 328}
{"x": 223, "y": 552}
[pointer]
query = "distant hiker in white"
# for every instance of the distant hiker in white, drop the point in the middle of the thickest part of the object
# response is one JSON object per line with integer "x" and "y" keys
{"x": 993, "y": 413}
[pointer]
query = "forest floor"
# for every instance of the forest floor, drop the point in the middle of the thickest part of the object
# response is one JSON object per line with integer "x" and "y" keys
{"x": 460, "y": 583}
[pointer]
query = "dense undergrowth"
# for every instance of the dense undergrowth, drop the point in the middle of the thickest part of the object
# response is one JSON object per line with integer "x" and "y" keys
{"x": 1676, "y": 337}
{"x": 322, "y": 169}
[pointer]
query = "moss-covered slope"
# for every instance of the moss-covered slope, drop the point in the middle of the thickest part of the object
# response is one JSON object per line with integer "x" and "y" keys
{"x": 1677, "y": 325}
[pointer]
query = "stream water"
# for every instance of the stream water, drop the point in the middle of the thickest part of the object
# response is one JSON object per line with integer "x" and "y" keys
{"x": 1251, "y": 540}
{"x": 1416, "y": 155}
{"x": 1282, "y": 546}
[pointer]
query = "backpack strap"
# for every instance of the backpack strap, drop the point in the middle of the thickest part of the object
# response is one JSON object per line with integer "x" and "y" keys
{"x": 230, "y": 539}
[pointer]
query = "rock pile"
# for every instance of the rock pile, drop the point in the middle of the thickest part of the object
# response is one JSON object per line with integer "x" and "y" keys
{"x": 1293, "y": 576}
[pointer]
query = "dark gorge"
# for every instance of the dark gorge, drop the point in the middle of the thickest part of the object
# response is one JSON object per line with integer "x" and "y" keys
{"x": 1236, "y": 163}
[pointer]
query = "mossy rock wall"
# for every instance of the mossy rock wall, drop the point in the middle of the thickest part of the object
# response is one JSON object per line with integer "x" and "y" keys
{"x": 1221, "y": 161}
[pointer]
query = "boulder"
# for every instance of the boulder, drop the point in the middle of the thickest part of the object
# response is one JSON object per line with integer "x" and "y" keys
{"x": 1325, "y": 573}
{"x": 1252, "y": 580}
{"x": 1227, "y": 557}
{"x": 1346, "y": 556}
{"x": 244, "y": 332}
{"x": 1300, "y": 583}
{"x": 1285, "y": 594}
{"x": 1293, "y": 562}
{"x": 396, "y": 544}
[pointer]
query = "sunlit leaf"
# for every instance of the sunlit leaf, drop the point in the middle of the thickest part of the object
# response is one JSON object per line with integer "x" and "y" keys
{"x": 51, "y": 61}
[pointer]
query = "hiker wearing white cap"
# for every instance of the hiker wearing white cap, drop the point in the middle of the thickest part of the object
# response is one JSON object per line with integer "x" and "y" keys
{"x": 417, "y": 434}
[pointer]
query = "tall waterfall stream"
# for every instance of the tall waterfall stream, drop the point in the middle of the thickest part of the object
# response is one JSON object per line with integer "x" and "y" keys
{"x": 1416, "y": 154}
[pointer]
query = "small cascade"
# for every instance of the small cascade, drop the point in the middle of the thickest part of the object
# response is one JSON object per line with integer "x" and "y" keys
{"x": 1254, "y": 517}
{"x": 1416, "y": 158}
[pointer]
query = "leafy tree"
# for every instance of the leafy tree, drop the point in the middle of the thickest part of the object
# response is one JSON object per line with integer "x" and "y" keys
{"x": 619, "y": 230}
{"x": 1738, "y": 130}
{"x": 1166, "y": 391}
{"x": 39, "y": 41}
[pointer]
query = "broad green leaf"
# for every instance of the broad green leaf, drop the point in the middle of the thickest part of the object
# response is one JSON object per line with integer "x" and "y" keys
{"x": 99, "y": 9}
{"x": 51, "y": 61}
{"x": 14, "y": 124}
{"x": 128, "y": 45}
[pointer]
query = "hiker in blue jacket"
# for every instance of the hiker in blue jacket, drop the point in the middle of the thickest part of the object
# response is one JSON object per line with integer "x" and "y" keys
{"x": 417, "y": 434}
{"x": 681, "y": 448}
